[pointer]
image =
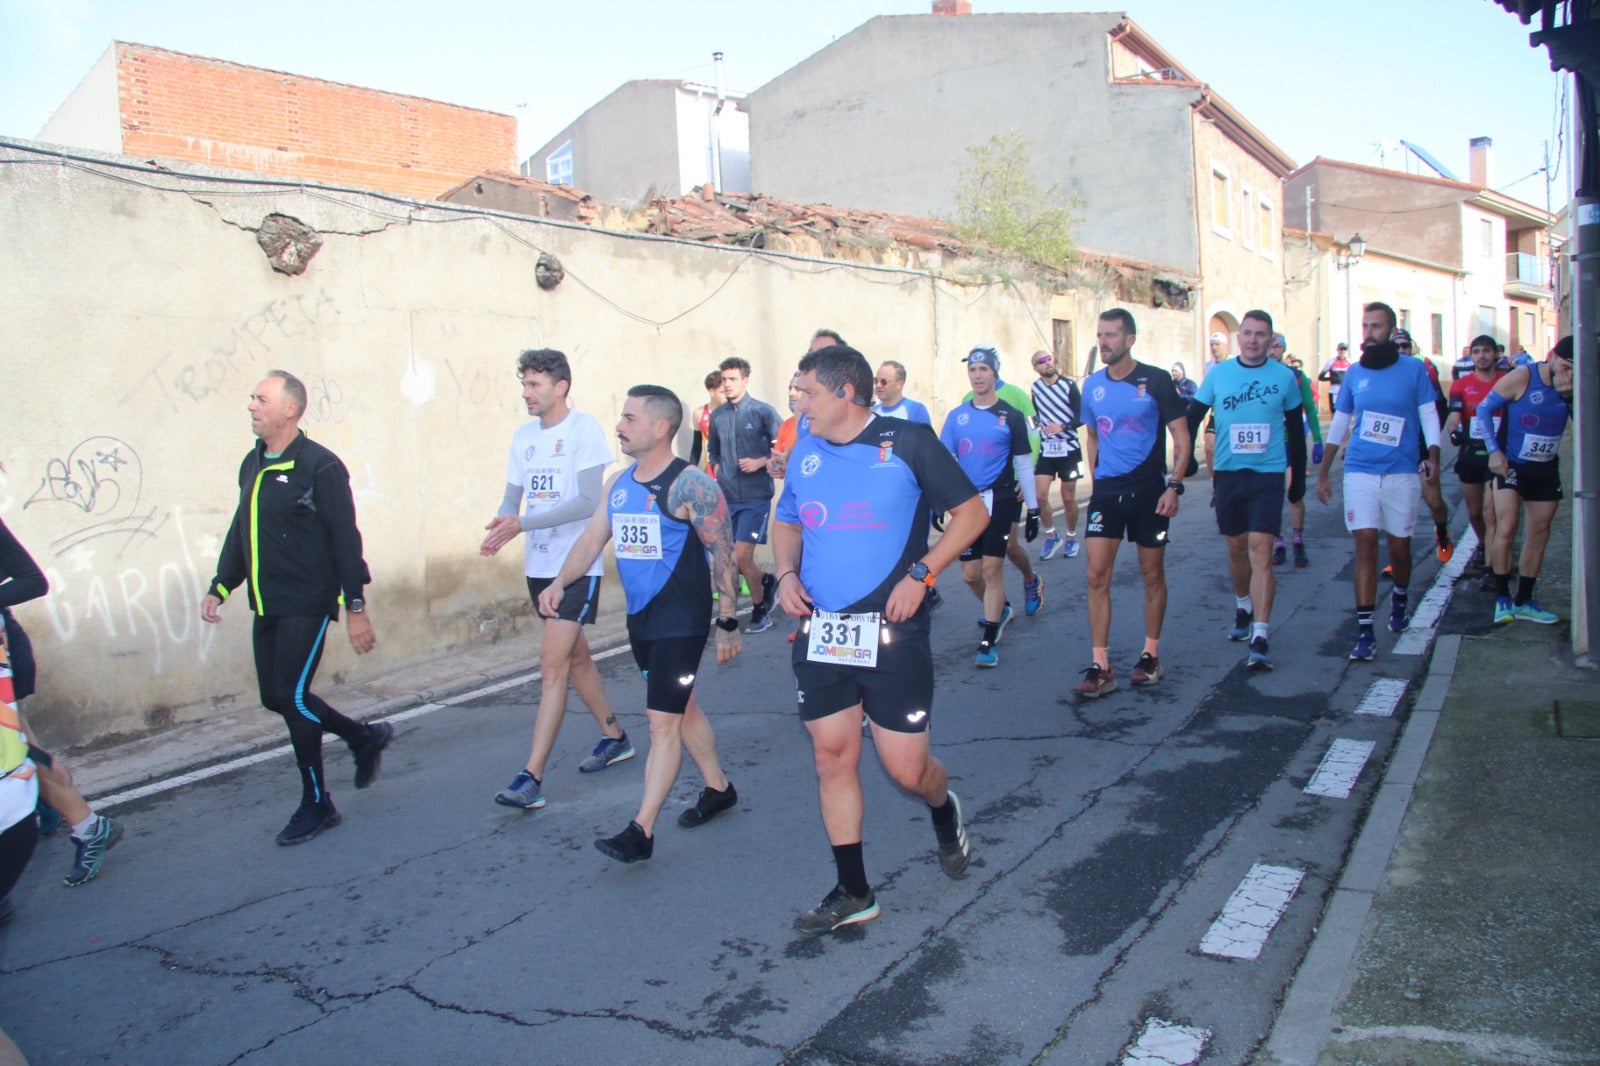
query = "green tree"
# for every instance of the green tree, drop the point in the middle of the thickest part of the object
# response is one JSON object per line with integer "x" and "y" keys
{"x": 1000, "y": 206}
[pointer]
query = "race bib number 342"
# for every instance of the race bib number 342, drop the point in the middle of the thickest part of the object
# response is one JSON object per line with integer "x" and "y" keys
{"x": 843, "y": 639}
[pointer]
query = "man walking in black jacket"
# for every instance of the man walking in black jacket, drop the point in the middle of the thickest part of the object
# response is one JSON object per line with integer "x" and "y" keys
{"x": 294, "y": 542}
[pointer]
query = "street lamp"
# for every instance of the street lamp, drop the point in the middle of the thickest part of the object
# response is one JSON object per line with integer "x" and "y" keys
{"x": 1358, "y": 248}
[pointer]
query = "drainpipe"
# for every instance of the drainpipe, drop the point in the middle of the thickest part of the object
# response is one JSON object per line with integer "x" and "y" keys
{"x": 716, "y": 130}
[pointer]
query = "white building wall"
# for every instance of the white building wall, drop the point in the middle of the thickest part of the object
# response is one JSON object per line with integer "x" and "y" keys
{"x": 91, "y": 116}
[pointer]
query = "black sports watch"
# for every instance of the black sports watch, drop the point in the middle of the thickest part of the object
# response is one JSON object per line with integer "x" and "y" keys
{"x": 356, "y": 605}
{"x": 919, "y": 572}
{"x": 1176, "y": 486}
{"x": 728, "y": 625}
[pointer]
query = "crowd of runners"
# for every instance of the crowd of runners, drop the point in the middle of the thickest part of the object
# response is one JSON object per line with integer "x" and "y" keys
{"x": 866, "y": 479}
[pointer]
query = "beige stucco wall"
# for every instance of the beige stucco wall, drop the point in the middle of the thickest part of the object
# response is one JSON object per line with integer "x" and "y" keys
{"x": 1241, "y": 270}
{"x": 139, "y": 319}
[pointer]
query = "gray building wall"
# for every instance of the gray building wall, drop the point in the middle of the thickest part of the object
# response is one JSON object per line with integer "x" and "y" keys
{"x": 1420, "y": 219}
{"x": 622, "y": 145}
{"x": 882, "y": 119}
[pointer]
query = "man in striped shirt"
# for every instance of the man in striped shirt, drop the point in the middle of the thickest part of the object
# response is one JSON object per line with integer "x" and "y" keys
{"x": 1056, "y": 403}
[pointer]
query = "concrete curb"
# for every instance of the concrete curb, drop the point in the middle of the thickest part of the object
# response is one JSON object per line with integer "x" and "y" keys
{"x": 1307, "y": 1020}
{"x": 251, "y": 733}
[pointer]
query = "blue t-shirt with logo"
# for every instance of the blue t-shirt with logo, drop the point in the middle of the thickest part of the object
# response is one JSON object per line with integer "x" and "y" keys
{"x": 1248, "y": 403}
{"x": 984, "y": 439}
{"x": 1129, "y": 419}
{"x": 1385, "y": 423}
{"x": 863, "y": 510}
{"x": 908, "y": 409}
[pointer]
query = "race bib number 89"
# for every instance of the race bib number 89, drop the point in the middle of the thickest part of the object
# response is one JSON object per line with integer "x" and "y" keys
{"x": 843, "y": 639}
{"x": 1379, "y": 428}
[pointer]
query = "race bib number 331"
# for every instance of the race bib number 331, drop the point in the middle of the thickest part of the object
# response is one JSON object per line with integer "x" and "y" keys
{"x": 843, "y": 639}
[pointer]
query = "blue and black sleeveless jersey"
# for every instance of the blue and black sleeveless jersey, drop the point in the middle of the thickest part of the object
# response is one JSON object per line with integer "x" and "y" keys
{"x": 984, "y": 439}
{"x": 863, "y": 510}
{"x": 669, "y": 596}
{"x": 1534, "y": 422}
{"x": 1130, "y": 419}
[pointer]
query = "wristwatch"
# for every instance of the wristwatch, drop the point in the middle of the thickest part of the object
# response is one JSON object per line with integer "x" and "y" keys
{"x": 728, "y": 625}
{"x": 1176, "y": 486}
{"x": 919, "y": 572}
{"x": 356, "y": 605}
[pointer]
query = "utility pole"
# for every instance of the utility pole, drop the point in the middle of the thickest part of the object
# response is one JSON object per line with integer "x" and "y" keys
{"x": 1585, "y": 261}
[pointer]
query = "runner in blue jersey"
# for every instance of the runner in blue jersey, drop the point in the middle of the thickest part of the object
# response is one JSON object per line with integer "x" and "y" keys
{"x": 989, "y": 438}
{"x": 663, "y": 516}
{"x": 1386, "y": 409}
{"x": 1533, "y": 404}
{"x": 1260, "y": 431}
{"x": 890, "y": 389}
{"x": 850, "y": 544}
{"x": 1129, "y": 410}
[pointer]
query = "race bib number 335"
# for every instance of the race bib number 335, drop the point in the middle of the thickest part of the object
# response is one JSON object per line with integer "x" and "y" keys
{"x": 636, "y": 536}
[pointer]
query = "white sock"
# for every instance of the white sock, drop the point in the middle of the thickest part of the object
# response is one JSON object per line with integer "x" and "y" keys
{"x": 1260, "y": 629}
{"x": 82, "y": 829}
{"x": 1242, "y": 602}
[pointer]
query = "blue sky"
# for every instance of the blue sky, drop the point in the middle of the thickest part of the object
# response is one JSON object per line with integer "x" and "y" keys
{"x": 1336, "y": 78}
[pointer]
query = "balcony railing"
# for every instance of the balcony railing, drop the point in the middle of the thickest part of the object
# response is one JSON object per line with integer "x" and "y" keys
{"x": 1527, "y": 269}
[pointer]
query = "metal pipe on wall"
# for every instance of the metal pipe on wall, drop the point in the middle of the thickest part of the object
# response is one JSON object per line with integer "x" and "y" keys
{"x": 1586, "y": 370}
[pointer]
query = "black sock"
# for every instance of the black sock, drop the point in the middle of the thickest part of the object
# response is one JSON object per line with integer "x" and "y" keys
{"x": 1524, "y": 588}
{"x": 852, "y": 869}
{"x": 1399, "y": 595}
{"x": 944, "y": 820}
{"x": 1441, "y": 531}
{"x": 991, "y": 632}
{"x": 1364, "y": 617}
{"x": 1502, "y": 586}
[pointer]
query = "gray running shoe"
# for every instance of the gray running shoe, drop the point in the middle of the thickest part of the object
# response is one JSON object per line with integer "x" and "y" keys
{"x": 608, "y": 751}
{"x": 955, "y": 853}
{"x": 837, "y": 908}
{"x": 523, "y": 792}
{"x": 92, "y": 850}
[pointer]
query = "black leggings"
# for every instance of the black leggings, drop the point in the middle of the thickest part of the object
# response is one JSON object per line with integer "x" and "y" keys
{"x": 288, "y": 649}
{"x": 16, "y": 848}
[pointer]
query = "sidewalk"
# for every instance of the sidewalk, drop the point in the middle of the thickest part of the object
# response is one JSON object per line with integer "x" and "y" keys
{"x": 192, "y": 746}
{"x": 1481, "y": 941}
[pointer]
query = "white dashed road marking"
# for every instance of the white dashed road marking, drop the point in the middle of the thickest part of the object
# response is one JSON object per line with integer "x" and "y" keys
{"x": 1166, "y": 1044}
{"x": 1339, "y": 769}
{"x": 1241, "y": 930}
{"x": 1425, "y": 619}
{"x": 1382, "y": 698}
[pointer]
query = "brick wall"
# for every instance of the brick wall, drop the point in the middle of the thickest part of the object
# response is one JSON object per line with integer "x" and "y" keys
{"x": 178, "y": 106}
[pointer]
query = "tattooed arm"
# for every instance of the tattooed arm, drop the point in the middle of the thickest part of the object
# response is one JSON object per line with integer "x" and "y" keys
{"x": 695, "y": 498}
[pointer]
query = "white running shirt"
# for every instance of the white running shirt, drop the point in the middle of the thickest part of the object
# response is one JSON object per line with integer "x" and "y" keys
{"x": 545, "y": 462}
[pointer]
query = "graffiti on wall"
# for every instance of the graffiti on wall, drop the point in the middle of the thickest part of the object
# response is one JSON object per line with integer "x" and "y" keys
{"x": 260, "y": 334}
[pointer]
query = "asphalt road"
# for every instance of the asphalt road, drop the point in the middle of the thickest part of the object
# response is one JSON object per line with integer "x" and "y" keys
{"x": 434, "y": 925}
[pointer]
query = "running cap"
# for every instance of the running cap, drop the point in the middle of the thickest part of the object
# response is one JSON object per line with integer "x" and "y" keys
{"x": 1400, "y": 336}
{"x": 1219, "y": 338}
{"x": 986, "y": 355}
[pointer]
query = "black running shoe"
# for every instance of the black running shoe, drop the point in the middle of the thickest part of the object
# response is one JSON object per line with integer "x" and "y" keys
{"x": 370, "y": 755}
{"x": 630, "y": 845}
{"x": 955, "y": 851}
{"x": 310, "y": 820}
{"x": 710, "y": 804}
{"x": 838, "y": 908}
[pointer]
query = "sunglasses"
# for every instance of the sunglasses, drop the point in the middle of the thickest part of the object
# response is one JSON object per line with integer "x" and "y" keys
{"x": 882, "y": 381}
{"x": 1043, "y": 361}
